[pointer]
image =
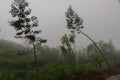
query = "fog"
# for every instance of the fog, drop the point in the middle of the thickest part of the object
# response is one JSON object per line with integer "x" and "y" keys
{"x": 101, "y": 20}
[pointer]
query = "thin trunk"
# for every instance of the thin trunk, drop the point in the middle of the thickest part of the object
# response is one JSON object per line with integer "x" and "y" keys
{"x": 98, "y": 49}
{"x": 36, "y": 63}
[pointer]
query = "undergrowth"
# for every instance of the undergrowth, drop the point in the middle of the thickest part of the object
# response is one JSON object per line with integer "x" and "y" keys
{"x": 51, "y": 72}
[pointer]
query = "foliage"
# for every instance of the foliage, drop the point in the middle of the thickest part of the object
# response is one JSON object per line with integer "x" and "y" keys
{"x": 74, "y": 22}
{"x": 107, "y": 48}
{"x": 54, "y": 72}
{"x": 25, "y": 26}
{"x": 16, "y": 75}
{"x": 68, "y": 44}
{"x": 96, "y": 60}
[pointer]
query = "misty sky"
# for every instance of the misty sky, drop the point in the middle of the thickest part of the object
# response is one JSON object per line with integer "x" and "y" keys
{"x": 101, "y": 19}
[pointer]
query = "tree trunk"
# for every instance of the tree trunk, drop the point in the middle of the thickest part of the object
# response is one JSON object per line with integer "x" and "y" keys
{"x": 98, "y": 49}
{"x": 36, "y": 63}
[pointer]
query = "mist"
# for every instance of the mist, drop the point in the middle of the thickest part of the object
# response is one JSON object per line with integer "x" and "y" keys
{"x": 101, "y": 20}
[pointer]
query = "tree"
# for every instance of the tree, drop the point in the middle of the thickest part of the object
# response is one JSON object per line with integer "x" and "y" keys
{"x": 107, "y": 48}
{"x": 96, "y": 60}
{"x": 75, "y": 24}
{"x": 68, "y": 44}
{"x": 26, "y": 27}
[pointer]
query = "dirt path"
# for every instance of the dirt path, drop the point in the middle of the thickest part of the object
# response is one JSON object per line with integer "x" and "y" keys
{"x": 117, "y": 77}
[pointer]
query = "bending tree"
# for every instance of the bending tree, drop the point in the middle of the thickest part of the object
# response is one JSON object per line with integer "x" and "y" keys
{"x": 75, "y": 24}
{"x": 26, "y": 27}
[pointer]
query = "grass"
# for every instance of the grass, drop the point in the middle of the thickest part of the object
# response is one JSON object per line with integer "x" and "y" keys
{"x": 59, "y": 71}
{"x": 51, "y": 72}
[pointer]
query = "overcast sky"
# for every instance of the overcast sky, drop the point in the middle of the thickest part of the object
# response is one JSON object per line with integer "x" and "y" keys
{"x": 101, "y": 19}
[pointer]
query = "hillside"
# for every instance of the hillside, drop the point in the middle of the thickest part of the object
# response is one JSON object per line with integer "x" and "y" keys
{"x": 13, "y": 55}
{"x": 10, "y": 48}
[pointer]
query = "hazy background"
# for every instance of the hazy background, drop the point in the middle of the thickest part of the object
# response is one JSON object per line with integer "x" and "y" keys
{"x": 101, "y": 19}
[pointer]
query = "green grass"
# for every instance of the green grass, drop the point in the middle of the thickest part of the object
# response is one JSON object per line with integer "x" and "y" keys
{"x": 53, "y": 72}
{"x": 9, "y": 57}
{"x": 59, "y": 71}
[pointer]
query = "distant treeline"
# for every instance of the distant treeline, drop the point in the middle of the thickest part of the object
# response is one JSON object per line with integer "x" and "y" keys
{"x": 22, "y": 58}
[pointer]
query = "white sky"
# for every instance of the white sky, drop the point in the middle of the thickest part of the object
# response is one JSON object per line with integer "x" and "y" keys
{"x": 101, "y": 19}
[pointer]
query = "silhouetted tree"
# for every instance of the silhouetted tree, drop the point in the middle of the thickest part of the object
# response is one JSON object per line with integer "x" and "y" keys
{"x": 26, "y": 27}
{"x": 75, "y": 24}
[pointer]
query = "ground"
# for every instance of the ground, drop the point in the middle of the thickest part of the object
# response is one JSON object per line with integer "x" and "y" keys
{"x": 109, "y": 74}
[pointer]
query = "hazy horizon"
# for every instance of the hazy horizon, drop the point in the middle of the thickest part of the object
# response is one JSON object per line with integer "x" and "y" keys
{"x": 101, "y": 20}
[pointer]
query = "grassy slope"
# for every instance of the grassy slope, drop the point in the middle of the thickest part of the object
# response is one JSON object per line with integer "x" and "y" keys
{"x": 9, "y": 55}
{"x": 10, "y": 48}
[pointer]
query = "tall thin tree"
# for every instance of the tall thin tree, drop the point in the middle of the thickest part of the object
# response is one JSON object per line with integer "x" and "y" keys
{"x": 26, "y": 27}
{"x": 75, "y": 24}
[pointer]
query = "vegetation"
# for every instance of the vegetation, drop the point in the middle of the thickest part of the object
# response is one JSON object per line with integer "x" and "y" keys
{"x": 75, "y": 24}
{"x": 18, "y": 62}
{"x": 25, "y": 26}
{"x": 15, "y": 66}
{"x": 46, "y": 73}
{"x": 68, "y": 44}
